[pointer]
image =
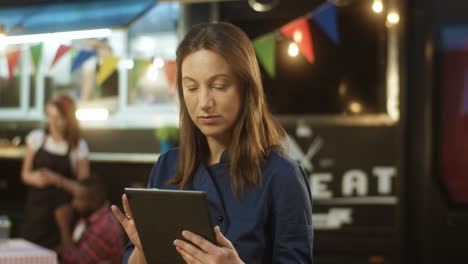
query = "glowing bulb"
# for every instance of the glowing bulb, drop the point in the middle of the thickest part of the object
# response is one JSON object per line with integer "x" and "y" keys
{"x": 127, "y": 64}
{"x": 355, "y": 107}
{"x": 152, "y": 73}
{"x": 94, "y": 114}
{"x": 377, "y": 6}
{"x": 297, "y": 36}
{"x": 393, "y": 18}
{"x": 158, "y": 62}
{"x": 293, "y": 50}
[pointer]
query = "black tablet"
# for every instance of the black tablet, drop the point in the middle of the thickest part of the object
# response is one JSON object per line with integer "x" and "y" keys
{"x": 161, "y": 216}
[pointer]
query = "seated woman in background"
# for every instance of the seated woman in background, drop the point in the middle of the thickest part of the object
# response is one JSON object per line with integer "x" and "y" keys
{"x": 56, "y": 157}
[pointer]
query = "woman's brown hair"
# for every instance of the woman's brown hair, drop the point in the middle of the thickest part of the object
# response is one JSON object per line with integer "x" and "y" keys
{"x": 255, "y": 132}
{"x": 66, "y": 108}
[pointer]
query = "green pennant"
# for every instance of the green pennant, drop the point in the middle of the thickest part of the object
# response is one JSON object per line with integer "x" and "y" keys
{"x": 265, "y": 47}
{"x": 36, "y": 54}
{"x": 139, "y": 68}
{"x": 73, "y": 54}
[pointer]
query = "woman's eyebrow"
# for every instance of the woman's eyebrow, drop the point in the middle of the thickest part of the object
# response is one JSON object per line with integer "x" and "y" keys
{"x": 218, "y": 76}
{"x": 186, "y": 78}
{"x": 211, "y": 79}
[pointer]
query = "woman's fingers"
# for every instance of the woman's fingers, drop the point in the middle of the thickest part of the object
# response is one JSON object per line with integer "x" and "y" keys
{"x": 187, "y": 257}
{"x": 199, "y": 241}
{"x": 221, "y": 239}
{"x": 127, "y": 222}
{"x": 128, "y": 212}
{"x": 118, "y": 214}
{"x": 191, "y": 250}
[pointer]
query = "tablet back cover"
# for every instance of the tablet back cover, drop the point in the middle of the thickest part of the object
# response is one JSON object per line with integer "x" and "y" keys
{"x": 161, "y": 216}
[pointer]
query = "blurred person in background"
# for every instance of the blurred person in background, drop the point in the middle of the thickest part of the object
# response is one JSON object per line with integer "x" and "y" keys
{"x": 90, "y": 90}
{"x": 97, "y": 237}
{"x": 56, "y": 157}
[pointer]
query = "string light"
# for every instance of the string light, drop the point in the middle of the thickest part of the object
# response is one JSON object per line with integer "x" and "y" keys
{"x": 92, "y": 114}
{"x": 126, "y": 64}
{"x": 377, "y": 6}
{"x": 153, "y": 73}
{"x": 393, "y": 18}
{"x": 293, "y": 49}
{"x": 158, "y": 62}
{"x": 297, "y": 36}
{"x": 355, "y": 107}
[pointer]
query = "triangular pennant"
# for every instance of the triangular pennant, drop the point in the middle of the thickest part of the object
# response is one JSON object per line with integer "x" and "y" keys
{"x": 299, "y": 31}
{"x": 140, "y": 67}
{"x": 265, "y": 47}
{"x": 12, "y": 58}
{"x": 36, "y": 54}
{"x": 82, "y": 56}
{"x": 325, "y": 17}
{"x": 109, "y": 64}
{"x": 73, "y": 54}
{"x": 170, "y": 69}
{"x": 62, "y": 50}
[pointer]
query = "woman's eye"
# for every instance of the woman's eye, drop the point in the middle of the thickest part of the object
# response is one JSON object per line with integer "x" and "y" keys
{"x": 191, "y": 89}
{"x": 219, "y": 87}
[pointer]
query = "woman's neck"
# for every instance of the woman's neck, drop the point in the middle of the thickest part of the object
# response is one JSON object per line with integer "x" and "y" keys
{"x": 217, "y": 148}
{"x": 56, "y": 136}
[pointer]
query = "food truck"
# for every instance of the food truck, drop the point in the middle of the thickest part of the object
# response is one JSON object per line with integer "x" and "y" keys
{"x": 373, "y": 103}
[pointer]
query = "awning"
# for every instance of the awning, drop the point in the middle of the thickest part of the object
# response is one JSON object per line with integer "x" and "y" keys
{"x": 35, "y": 16}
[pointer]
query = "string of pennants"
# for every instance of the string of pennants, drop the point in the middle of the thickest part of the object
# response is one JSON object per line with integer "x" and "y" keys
{"x": 108, "y": 66}
{"x": 265, "y": 47}
{"x": 298, "y": 31}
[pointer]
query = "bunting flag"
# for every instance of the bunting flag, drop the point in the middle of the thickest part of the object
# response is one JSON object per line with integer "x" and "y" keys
{"x": 73, "y": 54}
{"x": 62, "y": 50}
{"x": 82, "y": 56}
{"x": 265, "y": 47}
{"x": 299, "y": 31}
{"x": 325, "y": 17}
{"x": 12, "y": 58}
{"x": 36, "y": 54}
{"x": 109, "y": 64}
{"x": 170, "y": 69}
{"x": 140, "y": 67}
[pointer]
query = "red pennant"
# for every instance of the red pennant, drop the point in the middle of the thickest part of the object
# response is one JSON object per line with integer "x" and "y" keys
{"x": 299, "y": 31}
{"x": 170, "y": 71}
{"x": 60, "y": 52}
{"x": 12, "y": 58}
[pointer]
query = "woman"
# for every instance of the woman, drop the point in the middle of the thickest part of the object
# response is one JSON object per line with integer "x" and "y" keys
{"x": 56, "y": 157}
{"x": 259, "y": 200}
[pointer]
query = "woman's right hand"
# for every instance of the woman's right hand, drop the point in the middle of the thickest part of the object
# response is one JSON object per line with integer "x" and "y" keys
{"x": 40, "y": 179}
{"x": 128, "y": 224}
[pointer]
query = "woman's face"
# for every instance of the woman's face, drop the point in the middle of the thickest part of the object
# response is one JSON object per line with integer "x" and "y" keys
{"x": 211, "y": 93}
{"x": 55, "y": 121}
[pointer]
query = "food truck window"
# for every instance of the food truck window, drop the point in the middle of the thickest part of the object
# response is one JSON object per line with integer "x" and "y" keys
{"x": 119, "y": 70}
{"x": 152, "y": 43}
{"x": 453, "y": 51}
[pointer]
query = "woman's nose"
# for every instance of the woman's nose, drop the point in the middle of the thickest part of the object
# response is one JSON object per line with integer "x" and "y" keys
{"x": 206, "y": 99}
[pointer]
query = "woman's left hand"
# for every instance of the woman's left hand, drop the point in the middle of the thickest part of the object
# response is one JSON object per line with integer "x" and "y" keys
{"x": 51, "y": 177}
{"x": 207, "y": 252}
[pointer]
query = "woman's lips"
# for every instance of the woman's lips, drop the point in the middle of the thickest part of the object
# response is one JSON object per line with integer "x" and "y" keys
{"x": 209, "y": 119}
